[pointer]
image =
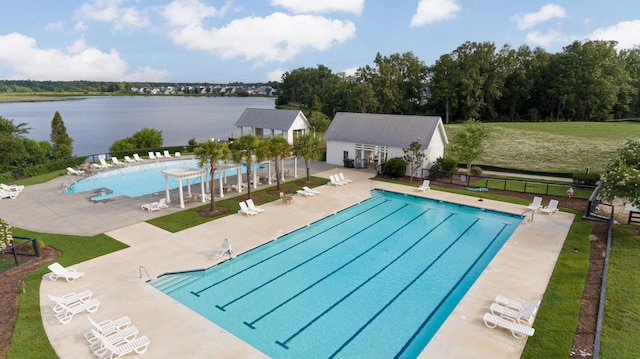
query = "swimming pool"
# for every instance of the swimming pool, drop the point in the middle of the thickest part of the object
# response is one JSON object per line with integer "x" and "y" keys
{"x": 134, "y": 180}
{"x": 374, "y": 280}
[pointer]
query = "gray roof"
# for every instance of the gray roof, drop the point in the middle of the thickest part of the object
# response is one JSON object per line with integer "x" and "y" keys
{"x": 268, "y": 118}
{"x": 383, "y": 130}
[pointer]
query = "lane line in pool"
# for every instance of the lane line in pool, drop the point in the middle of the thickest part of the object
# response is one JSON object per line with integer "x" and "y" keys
{"x": 318, "y": 255}
{"x": 269, "y": 312}
{"x": 285, "y": 342}
{"x": 197, "y": 293}
{"x": 403, "y": 289}
{"x": 437, "y": 307}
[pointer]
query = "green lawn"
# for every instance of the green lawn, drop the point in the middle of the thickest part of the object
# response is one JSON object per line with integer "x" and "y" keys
{"x": 621, "y": 328}
{"x": 29, "y": 339}
{"x": 564, "y": 147}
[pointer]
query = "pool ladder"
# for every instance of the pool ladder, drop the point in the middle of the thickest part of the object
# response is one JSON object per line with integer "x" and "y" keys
{"x": 142, "y": 268}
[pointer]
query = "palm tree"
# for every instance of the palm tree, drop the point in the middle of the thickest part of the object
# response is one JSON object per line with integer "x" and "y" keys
{"x": 210, "y": 153}
{"x": 279, "y": 148}
{"x": 246, "y": 148}
{"x": 308, "y": 147}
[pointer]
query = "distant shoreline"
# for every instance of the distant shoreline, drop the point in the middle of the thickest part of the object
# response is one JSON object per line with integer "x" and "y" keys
{"x": 36, "y": 98}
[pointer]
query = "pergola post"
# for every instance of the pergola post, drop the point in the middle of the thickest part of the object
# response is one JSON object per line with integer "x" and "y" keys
{"x": 166, "y": 188}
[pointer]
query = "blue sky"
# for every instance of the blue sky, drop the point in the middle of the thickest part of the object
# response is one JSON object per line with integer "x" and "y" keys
{"x": 258, "y": 40}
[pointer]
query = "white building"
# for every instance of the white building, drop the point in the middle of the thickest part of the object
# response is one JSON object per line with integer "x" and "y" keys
{"x": 270, "y": 122}
{"x": 362, "y": 139}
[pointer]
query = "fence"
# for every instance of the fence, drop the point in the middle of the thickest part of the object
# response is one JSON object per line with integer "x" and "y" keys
{"x": 21, "y": 250}
{"x": 514, "y": 185}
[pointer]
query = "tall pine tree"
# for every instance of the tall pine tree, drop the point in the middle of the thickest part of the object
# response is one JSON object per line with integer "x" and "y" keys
{"x": 60, "y": 140}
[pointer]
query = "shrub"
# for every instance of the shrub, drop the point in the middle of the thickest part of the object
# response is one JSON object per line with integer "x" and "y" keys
{"x": 395, "y": 167}
{"x": 476, "y": 171}
{"x": 586, "y": 178}
{"x": 443, "y": 167}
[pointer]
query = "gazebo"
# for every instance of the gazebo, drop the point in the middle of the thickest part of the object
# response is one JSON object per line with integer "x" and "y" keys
{"x": 184, "y": 174}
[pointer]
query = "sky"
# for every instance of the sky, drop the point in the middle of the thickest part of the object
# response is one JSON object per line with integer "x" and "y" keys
{"x": 223, "y": 41}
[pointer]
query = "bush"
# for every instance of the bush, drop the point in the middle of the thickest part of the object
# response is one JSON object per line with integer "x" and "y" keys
{"x": 443, "y": 167}
{"x": 476, "y": 171}
{"x": 395, "y": 167}
{"x": 586, "y": 178}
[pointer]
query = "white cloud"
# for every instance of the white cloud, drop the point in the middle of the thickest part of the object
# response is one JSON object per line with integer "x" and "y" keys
{"x": 123, "y": 18}
{"x": 78, "y": 62}
{"x": 545, "y": 38}
{"x": 275, "y": 75}
{"x": 626, "y": 33}
{"x": 187, "y": 12}
{"x": 350, "y": 71}
{"x": 276, "y": 37}
{"x": 545, "y": 13}
{"x": 434, "y": 10}
{"x": 55, "y": 26}
{"x": 323, "y": 6}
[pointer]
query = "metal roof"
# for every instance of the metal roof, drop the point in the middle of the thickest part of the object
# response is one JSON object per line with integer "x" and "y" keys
{"x": 269, "y": 118}
{"x": 384, "y": 130}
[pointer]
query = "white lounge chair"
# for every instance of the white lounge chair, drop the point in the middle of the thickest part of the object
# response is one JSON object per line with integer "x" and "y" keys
{"x": 253, "y": 207}
{"x": 311, "y": 190}
{"x": 516, "y": 303}
{"x": 99, "y": 166}
{"x": 245, "y": 210}
{"x": 68, "y": 299}
{"x": 150, "y": 207}
{"x": 12, "y": 187}
{"x": 177, "y": 154}
{"x": 519, "y": 331}
{"x": 162, "y": 203}
{"x": 225, "y": 248}
{"x": 167, "y": 154}
{"x": 424, "y": 186}
{"x": 116, "y": 162}
{"x": 334, "y": 181}
{"x": 551, "y": 208}
{"x": 125, "y": 335}
{"x": 342, "y": 178}
{"x": 71, "y": 171}
{"x": 67, "y": 312}
{"x": 159, "y": 155}
{"x": 58, "y": 271}
{"x": 137, "y": 158}
{"x": 304, "y": 193}
{"x": 128, "y": 159}
{"x": 525, "y": 315}
{"x": 536, "y": 204}
{"x": 8, "y": 194}
{"x": 107, "y": 327}
{"x": 104, "y": 163}
{"x": 108, "y": 350}
{"x": 152, "y": 156}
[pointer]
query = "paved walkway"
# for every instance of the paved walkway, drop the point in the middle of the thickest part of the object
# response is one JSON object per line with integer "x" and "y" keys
{"x": 176, "y": 331}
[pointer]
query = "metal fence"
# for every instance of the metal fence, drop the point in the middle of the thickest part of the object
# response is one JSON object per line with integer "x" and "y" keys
{"x": 21, "y": 250}
{"x": 479, "y": 183}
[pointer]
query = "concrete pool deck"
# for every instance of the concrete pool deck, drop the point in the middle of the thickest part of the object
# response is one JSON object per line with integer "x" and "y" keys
{"x": 522, "y": 269}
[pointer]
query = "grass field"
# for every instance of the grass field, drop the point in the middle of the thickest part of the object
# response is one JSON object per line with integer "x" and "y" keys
{"x": 564, "y": 147}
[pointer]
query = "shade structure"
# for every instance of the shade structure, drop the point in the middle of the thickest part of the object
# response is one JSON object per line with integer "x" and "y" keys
{"x": 184, "y": 174}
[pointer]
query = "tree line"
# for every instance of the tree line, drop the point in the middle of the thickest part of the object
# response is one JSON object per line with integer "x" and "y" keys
{"x": 586, "y": 81}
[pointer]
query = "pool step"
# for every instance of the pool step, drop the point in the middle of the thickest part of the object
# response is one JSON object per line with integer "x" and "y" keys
{"x": 171, "y": 282}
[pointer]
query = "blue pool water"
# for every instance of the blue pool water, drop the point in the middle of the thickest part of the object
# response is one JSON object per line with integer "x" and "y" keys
{"x": 375, "y": 280}
{"x": 135, "y": 180}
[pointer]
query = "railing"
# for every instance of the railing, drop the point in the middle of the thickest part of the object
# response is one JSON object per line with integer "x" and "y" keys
{"x": 603, "y": 289}
{"x": 142, "y": 268}
{"x": 634, "y": 217}
{"x": 22, "y": 250}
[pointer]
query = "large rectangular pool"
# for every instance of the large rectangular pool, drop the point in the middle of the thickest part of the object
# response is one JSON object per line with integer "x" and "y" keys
{"x": 375, "y": 280}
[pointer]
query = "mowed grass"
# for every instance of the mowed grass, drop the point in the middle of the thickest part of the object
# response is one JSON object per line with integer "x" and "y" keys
{"x": 564, "y": 147}
{"x": 29, "y": 339}
{"x": 621, "y": 328}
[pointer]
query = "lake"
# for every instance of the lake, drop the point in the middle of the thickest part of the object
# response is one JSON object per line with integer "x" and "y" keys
{"x": 95, "y": 123}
